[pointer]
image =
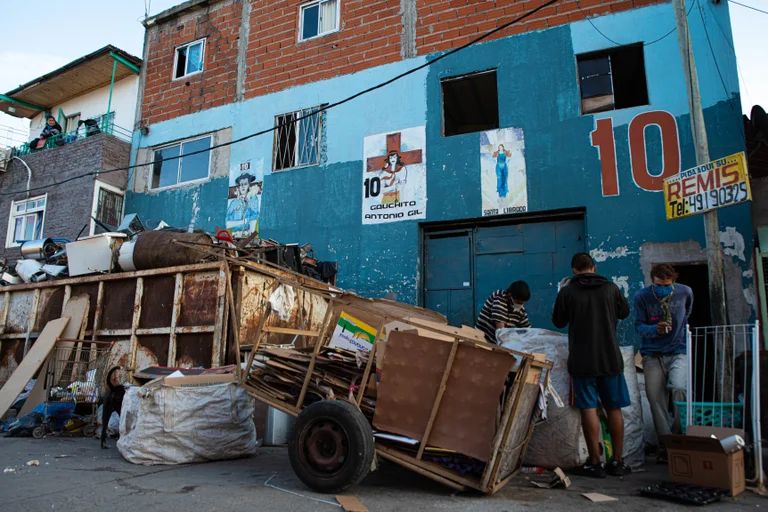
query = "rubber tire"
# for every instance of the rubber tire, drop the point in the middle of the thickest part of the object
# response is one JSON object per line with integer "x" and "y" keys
{"x": 38, "y": 432}
{"x": 89, "y": 430}
{"x": 360, "y": 445}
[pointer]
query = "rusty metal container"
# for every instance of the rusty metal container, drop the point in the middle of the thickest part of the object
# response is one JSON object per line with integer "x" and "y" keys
{"x": 156, "y": 249}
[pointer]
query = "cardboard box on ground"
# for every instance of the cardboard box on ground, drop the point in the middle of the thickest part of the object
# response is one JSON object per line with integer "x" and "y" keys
{"x": 699, "y": 458}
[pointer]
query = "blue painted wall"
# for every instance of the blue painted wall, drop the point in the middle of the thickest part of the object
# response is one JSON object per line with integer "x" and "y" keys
{"x": 538, "y": 92}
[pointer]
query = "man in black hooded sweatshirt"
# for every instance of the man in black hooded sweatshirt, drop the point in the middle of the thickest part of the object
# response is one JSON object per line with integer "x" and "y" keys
{"x": 591, "y": 307}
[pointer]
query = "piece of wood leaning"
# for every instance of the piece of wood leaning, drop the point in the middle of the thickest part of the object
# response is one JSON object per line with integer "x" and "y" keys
{"x": 318, "y": 345}
{"x": 390, "y": 456}
{"x": 286, "y": 330}
{"x": 370, "y": 363}
{"x": 438, "y": 399}
{"x": 257, "y": 341}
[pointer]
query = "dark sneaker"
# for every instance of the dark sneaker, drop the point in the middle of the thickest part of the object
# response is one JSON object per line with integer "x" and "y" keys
{"x": 618, "y": 468}
{"x": 591, "y": 470}
{"x": 661, "y": 458}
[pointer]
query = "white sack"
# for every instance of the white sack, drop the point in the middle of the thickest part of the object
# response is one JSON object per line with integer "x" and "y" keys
{"x": 559, "y": 442}
{"x": 634, "y": 445}
{"x": 282, "y": 301}
{"x": 178, "y": 425}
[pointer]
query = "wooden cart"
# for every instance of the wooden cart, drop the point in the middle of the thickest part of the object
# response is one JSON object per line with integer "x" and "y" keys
{"x": 342, "y": 424}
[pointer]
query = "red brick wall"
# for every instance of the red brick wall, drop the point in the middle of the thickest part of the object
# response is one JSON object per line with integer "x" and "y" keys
{"x": 369, "y": 37}
{"x": 165, "y": 98}
{"x": 446, "y": 24}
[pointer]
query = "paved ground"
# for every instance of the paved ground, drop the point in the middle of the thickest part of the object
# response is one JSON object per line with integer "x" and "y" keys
{"x": 75, "y": 474}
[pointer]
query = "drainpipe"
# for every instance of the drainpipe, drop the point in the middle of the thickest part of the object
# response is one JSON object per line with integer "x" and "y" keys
{"x": 111, "y": 86}
{"x": 29, "y": 172}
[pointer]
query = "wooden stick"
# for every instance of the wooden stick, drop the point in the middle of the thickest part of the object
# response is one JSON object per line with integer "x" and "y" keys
{"x": 371, "y": 357}
{"x": 413, "y": 467}
{"x": 318, "y": 344}
{"x": 436, "y": 407}
{"x": 276, "y": 404}
{"x": 234, "y": 319}
{"x": 264, "y": 316}
{"x": 284, "y": 330}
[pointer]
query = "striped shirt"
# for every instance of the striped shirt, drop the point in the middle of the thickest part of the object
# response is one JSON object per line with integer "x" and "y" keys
{"x": 496, "y": 309}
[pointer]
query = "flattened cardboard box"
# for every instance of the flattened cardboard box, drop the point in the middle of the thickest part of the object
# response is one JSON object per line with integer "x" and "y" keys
{"x": 697, "y": 458}
{"x": 193, "y": 381}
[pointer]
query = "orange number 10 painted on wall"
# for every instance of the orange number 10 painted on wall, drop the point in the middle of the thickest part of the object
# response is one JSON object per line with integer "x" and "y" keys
{"x": 603, "y": 140}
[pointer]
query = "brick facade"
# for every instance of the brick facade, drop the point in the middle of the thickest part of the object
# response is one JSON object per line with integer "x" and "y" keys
{"x": 372, "y": 33}
{"x": 166, "y": 98}
{"x": 69, "y": 205}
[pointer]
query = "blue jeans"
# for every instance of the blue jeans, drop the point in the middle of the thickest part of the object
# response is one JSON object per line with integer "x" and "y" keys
{"x": 665, "y": 376}
{"x": 502, "y": 176}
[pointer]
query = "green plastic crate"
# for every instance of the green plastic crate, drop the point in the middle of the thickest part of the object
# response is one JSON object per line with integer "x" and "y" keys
{"x": 713, "y": 414}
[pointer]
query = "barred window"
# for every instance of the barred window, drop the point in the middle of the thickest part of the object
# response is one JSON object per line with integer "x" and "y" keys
{"x": 297, "y": 139}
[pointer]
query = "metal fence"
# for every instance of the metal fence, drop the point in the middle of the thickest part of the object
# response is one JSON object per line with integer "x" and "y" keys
{"x": 723, "y": 388}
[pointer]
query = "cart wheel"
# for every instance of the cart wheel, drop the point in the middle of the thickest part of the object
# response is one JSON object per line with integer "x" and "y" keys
{"x": 331, "y": 446}
{"x": 38, "y": 432}
{"x": 89, "y": 430}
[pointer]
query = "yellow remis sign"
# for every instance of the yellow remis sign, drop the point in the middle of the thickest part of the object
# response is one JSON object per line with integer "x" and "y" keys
{"x": 716, "y": 184}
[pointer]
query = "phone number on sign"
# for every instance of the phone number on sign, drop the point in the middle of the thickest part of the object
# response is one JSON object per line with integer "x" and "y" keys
{"x": 704, "y": 201}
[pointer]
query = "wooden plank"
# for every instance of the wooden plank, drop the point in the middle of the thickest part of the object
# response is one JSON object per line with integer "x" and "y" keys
{"x": 76, "y": 309}
{"x": 274, "y": 403}
{"x": 285, "y": 330}
{"x": 369, "y": 365}
{"x": 31, "y": 363}
{"x": 438, "y": 399}
{"x": 428, "y": 469}
{"x": 318, "y": 345}
{"x": 178, "y": 293}
{"x": 220, "y": 326}
{"x": 37, "y": 394}
{"x": 135, "y": 321}
{"x": 235, "y": 323}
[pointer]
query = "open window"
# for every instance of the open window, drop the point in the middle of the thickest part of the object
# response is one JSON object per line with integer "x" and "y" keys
{"x": 612, "y": 79}
{"x": 318, "y": 18}
{"x": 297, "y": 139}
{"x": 189, "y": 59}
{"x": 470, "y": 103}
{"x": 107, "y": 207}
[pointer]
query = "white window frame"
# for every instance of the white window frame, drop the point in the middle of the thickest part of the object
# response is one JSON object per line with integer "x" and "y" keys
{"x": 97, "y": 186}
{"x": 298, "y": 139}
{"x": 176, "y": 59}
{"x": 178, "y": 170}
{"x": 9, "y": 239}
{"x": 303, "y": 7}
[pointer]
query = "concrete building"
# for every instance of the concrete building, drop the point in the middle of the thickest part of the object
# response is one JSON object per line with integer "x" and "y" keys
{"x": 93, "y": 99}
{"x": 492, "y": 164}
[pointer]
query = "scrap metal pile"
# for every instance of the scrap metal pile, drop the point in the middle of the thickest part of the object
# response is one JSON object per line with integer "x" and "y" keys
{"x": 279, "y": 372}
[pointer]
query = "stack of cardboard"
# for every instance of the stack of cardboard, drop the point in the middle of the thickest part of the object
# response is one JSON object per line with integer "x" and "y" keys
{"x": 280, "y": 372}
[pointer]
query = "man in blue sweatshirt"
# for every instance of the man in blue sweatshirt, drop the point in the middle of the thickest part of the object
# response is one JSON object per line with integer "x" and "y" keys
{"x": 661, "y": 317}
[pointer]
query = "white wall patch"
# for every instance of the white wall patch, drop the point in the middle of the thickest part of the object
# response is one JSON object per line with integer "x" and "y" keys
{"x": 600, "y": 255}
{"x": 733, "y": 243}
{"x": 623, "y": 283}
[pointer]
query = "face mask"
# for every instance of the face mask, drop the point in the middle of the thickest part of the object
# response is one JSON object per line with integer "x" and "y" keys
{"x": 662, "y": 291}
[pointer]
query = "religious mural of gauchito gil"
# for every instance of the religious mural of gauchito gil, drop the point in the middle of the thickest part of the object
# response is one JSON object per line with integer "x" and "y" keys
{"x": 503, "y": 180}
{"x": 244, "y": 202}
{"x": 395, "y": 176}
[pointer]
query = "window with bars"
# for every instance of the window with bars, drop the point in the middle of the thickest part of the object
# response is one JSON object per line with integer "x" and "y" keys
{"x": 189, "y": 59}
{"x": 181, "y": 163}
{"x": 297, "y": 139}
{"x": 109, "y": 210}
{"x": 318, "y": 18}
{"x": 26, "y": 220}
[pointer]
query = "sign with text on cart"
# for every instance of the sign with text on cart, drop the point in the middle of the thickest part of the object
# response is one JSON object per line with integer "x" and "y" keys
{"x": 395, "y": 176}
{"x": 717, "y": 184}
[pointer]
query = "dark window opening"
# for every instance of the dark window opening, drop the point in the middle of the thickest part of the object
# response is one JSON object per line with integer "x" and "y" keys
{"x": 108, "y": 210}
{"x": 612, "y": 79}
{"x": 297, "y": 139}
{"x": 470, "y": 104}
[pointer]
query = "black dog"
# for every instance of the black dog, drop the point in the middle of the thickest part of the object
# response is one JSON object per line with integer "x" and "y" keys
{"x": 113, "y": 402}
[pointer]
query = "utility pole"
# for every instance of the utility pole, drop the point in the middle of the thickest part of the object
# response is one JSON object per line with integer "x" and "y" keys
{"x": 711, "y": 225}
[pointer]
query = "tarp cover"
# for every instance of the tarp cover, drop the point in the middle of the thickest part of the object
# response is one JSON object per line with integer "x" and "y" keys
{"x": 162, "y": 424}
{"x": 559, "y": 441}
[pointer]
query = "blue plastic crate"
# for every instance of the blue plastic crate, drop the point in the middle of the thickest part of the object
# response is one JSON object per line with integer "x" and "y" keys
{"x": 713, "y": 414}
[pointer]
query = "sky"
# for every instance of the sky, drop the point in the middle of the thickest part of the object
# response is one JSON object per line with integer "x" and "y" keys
{"x": 35, "y": 46}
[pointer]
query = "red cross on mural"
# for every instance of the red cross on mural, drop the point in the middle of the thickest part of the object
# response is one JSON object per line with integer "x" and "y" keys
{"x": 377, "y": 163}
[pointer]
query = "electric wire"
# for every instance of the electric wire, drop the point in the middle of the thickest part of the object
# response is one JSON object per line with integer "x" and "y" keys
{"x": 748, "y": 6}
{"x": 313, "y": 111}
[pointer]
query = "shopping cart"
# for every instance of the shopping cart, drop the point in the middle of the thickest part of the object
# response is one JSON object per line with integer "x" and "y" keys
{"x": 74, "y": 381}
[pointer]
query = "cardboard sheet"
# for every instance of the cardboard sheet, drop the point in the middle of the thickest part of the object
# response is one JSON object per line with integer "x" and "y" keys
{"x": 31, "y": 362}
{"x": 413, "y": 370}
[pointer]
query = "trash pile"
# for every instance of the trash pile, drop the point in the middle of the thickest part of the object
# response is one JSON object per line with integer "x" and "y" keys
{"x": 279, "y": 372}
{"x": 135, "y": 245}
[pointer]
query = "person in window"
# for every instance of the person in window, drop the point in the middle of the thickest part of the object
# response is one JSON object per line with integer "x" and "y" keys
{"x": 591, "y": 306}
{"x": 52, "y": 129}
{"x": 502, "y": 171}
{"x": 504, "y": 309}
{"x": 243, "y": 210}
{"x": 661, "y": 317}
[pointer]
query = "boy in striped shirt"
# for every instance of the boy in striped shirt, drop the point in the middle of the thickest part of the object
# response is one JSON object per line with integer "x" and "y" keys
{"x": 504, "y": 309}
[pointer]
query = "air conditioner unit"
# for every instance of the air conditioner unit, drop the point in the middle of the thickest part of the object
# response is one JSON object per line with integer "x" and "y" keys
{"x": 5, "y": 159}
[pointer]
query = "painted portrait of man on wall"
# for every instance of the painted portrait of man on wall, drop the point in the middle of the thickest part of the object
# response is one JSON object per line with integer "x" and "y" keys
{"x": 244, "y": 205}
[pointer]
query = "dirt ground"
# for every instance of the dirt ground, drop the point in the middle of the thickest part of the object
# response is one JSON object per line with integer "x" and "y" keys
{"x": 75, "y": 474}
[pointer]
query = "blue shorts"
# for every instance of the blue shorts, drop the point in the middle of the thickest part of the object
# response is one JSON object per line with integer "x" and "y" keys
{"x": 611, "y": 390}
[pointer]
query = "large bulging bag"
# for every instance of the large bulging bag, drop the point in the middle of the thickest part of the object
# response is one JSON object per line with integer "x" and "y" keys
{"x": 162, "y": 424}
